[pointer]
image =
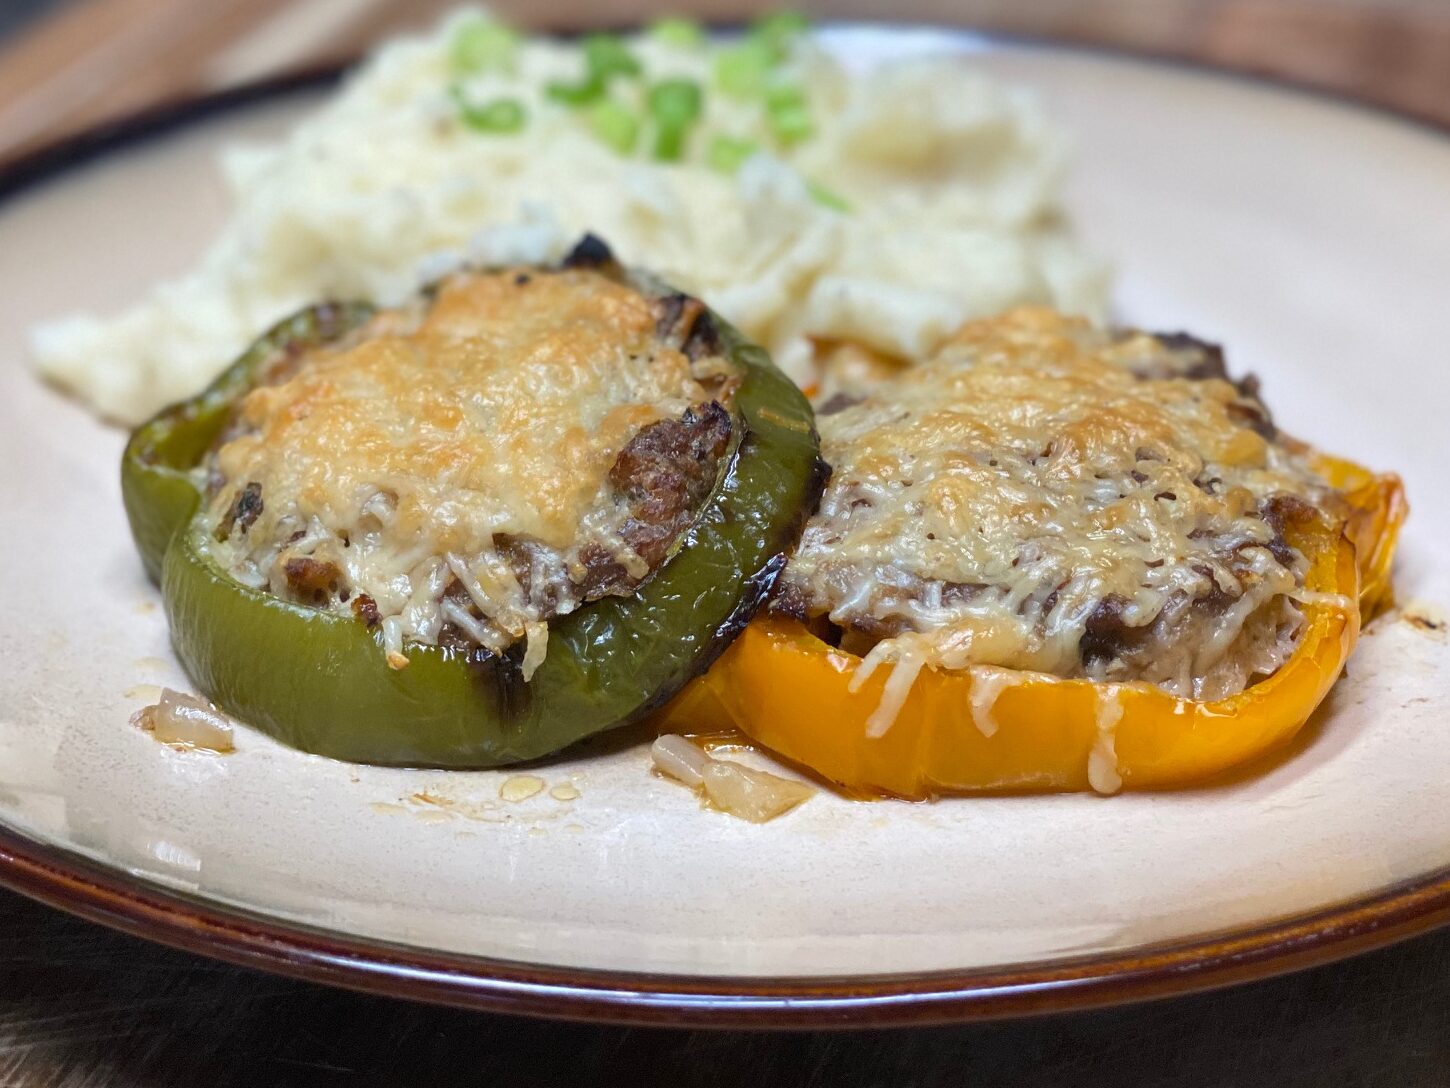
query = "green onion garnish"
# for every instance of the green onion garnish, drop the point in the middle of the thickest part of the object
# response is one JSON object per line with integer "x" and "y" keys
{"x": 675, "y": 105}
{"x": 828, "y": 198}
{"x": 481, "y": 45}
{"x": 728, "y": 153}
{"x": 788, "y": 113}
{"x": 589, "y": 89}
{"x": 741, "y": 69}
{"x": 606, "y": 55}
{"x": 615, "y": 124}
{"x": 499, "y": 116}
{"x": 677, "y": 32}
{"x": 778, "y": 31}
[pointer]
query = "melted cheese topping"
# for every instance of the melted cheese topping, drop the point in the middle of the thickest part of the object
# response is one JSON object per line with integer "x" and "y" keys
{"x": 1026, "y": 499}
{"x": 413, "y": 458}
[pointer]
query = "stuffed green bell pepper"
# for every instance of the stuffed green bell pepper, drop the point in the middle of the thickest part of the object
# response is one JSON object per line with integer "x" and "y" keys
{"x": 524, "y": 508}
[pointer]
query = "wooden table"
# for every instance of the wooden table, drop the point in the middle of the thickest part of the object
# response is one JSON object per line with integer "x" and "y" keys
{"x": 82, "y": 1006}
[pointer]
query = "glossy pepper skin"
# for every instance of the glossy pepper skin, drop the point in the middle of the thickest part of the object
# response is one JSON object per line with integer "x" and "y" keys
{"x": 319, "y": 681}
{"x": 786, "y": 689}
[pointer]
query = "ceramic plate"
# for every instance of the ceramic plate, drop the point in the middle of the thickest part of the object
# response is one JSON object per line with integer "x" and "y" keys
{"x": 1310, "y": 236}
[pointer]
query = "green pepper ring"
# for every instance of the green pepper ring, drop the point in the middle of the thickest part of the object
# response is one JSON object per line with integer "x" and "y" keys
{"x": 318, "y": 680}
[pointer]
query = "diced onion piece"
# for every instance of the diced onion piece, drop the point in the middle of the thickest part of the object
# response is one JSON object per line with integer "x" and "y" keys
{"x": 680, "y": 759}
{"x": 536, "y": 645}
{"x": 185, "y": 719}
{"x": 740, "y": 791}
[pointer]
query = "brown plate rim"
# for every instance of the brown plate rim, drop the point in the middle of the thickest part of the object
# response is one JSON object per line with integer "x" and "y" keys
{"x": 68, "y": 880}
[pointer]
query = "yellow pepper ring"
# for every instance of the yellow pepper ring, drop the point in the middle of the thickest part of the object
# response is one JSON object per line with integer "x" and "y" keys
{"x": 1025, "y": 731}
{"x": 1377, "y": 510}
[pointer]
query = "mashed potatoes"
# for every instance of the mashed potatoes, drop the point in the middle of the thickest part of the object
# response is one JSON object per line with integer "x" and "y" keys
{"x": 917, "y": 195}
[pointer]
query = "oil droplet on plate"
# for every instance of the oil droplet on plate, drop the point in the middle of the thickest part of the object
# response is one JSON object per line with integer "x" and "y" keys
{"x": 148, "y": 692}
{"x": 564, "y": 792}
{"x": 520, "y": 787}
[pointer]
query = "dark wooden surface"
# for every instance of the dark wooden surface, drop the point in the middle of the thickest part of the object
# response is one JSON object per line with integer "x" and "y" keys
{"x": 82, "y": 1007}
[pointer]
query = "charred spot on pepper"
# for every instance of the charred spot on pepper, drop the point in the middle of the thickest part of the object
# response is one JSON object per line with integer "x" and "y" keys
{"x": 500, "y": 680}
{"x": 789, "y": 600}
{"x": 675, "y": 316}
{"x": 590, "y": 251}
{"x": 757, "y": 591}
{"x": 1207, "y": 357}
{"x": 684, "y": 322}
{"x": 704, "y": 339}
{"x": 1254, "y": 416}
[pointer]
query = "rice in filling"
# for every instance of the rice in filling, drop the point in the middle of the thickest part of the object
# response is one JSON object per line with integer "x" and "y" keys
{"x": 460, "y": 471}
{"x": 1042, "y": 495}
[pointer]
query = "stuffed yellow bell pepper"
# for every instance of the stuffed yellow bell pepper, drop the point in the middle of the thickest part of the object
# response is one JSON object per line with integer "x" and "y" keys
{"x": 1195, "y": 581}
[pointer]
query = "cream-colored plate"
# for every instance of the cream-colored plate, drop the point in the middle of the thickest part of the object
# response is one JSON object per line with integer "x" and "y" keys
{"x": 1312, "y": 238}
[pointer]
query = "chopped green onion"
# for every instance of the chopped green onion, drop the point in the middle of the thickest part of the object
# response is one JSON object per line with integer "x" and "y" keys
{"x": 677, "y": 32}
{"x": 828, "y": 198}
{"x": 675, "y": 105}
{"x": 676, "y": 101}
{"x": 606, "y": 55}
{"x": 615, "y": 124}
{"x": 481, "y": 45}
{"x": 728, "y": 153}
{"x": 499, "y": 116}
{"x": 793, "y": 125}
{"x": 589, "y": 89}
{"x": 778, "y": 31}
{"x": 788, "y": 113}
{"x": 741, "y": 69}
{"x": 784, "y": 96}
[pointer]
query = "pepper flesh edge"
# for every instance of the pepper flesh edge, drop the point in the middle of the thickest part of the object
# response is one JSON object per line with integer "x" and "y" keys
{"x": 789, "y": 691}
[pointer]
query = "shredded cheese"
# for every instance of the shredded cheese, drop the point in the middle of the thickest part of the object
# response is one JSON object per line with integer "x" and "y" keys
{"x": 1046, "y": 496}
{"x": 452, "y": 461}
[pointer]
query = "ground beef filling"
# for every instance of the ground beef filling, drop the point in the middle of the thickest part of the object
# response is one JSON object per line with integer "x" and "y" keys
{"x": 973, "y": 518}
{"x": 660, "y": 478}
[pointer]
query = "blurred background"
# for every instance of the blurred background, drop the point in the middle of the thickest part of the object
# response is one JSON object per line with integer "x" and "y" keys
{"x": 70, "y": 64}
